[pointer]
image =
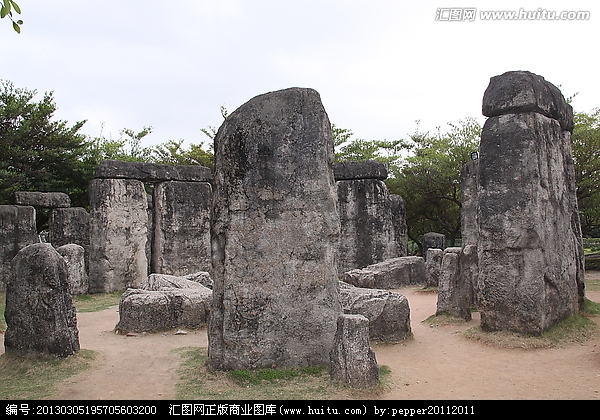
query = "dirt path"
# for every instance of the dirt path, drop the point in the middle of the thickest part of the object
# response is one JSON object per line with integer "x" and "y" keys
{"x": 438, "y": 364}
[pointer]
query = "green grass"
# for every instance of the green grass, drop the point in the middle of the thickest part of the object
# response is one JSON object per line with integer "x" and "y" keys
{"x": 96, "y": 302}
{"x": 30, "y": 378}
{"x": 197, "y": 382}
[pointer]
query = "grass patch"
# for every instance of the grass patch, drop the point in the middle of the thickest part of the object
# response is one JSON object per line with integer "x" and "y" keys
{"x": 198, "y": 382}
{"x": 443, "y": 318}
{"x": 590, "y": 307}
{"x": 2, "y": 307}
{"x": 96, "y": 302}
{"x": 577, "y": 328}
{"x": 31, "y": 378}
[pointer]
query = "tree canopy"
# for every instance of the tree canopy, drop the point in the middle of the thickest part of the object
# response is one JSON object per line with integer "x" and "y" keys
{"x": 6, "y": 10}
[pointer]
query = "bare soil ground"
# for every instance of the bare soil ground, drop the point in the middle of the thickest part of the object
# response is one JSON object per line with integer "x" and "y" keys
{"x": 439, "y": 363}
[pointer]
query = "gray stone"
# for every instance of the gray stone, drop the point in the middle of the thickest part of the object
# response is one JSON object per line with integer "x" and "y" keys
{"x": 433, "y": 240}
{"x": 17, "y": 230}
{"x": 529, "y": 249}
{"x": 390, "y": 274}
{"x": 181, "y": 242}
{"x": 398, "y": 210}
{"x": 70, "y": 226}
{"x": 367, "y": 227}
{"x": 433, "y": 266}
{"x": 202, "y": 277}
{"x": 118, "y": 234}
{"x": 359, "y": 170}
{"x": 275, "y": 230}
{"x": 469, "y": 227}
{"x": 42, "y": 199}
{"x": 164, "y": 309}
{"x": 452, "y": 292}
{"x": 517, "y": 92}
{"x": 157, "y": 282}
{"x": 74, "y": 255}
{"x": 469, "y": 272}
{"x": 152, "y": 172}
{"x": 40, "y": 315}
{"x": 388, "y": 312}
{"x": 353, "y": 361}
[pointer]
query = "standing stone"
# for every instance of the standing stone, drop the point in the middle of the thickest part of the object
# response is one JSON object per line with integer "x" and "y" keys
{"x": 17, "y": 230}
{"x": 530, "y": 249}
{"x": 118, "y": 234}
{"x": 274, "y": 235}
{"x": 70, "y": 226}
{"x": 367, "y": 226}
{"x": 353, "y": 361}
{"x": 181, "y": 243}
{"x": 398, "y": 210}
{"x": 40, "y": 315}
{"x": 433, "y": 240}
{"x": 74, "y": 255}
{"x": 433, "y": 266}
{"x": 469, "y": 228}
{"x": 453, "y": 293}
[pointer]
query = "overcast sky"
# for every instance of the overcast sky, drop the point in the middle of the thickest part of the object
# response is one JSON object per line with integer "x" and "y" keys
{"x": 379, "y": 65}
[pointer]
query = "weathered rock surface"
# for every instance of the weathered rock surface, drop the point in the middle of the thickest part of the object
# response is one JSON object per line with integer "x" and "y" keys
{"x": 433, "y": 240}
{"x": 359, "y": 170}
{"x": 74, "y": 256}
{"x": 275, "y": 230}
{"x": 433, "y": 266}
{"x": 118, "y": 234}
{"x": 70, "y": 226}
{"x": 202, "y": 277}
{"x": 40, "y": 315}
{"x": 181, "y": 240}
{"x": 42, "y": 199}
{"x": 517, "y": 92}
{"x": 157, "y": 282}
{"x": 390, "y": 274}
{"x": 388, "y": 312}
{"x": 398, "y": 210}
{"x": 453, "y": 296}
{"x": 469, "y": 227}
{"x": 367, "y": 227}
{"x": 529, "y": 248}
{"x": 17, "y": 230}
{"x": 353, "y": 361}
{"x": 152, "y": 172}
{"x": 164, "y": 309}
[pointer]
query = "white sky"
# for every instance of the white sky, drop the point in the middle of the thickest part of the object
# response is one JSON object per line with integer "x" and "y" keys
{"x": 379, "y": 65}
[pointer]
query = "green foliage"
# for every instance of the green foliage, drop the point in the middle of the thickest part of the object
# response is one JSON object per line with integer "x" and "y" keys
{"x": 586, "y": 154}
{"x": 39, "y": 154}
{"x": 429, "y": 179}
{"x": 127, "y": 148}
{"x": 256, "y": 377}
{"x": 172, "y": 153}
{"x": 6, "y": 9}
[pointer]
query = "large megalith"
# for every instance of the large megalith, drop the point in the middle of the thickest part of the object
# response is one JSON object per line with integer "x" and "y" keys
{"x": 181, "y": 242}
{"x": 40, "y": 315}
{"x": 17, "y": 230}
{"x": 368, "y": 227}
{"x": 529, "y": 246}
{"x": 70, "y": 225}
{"x": 118, "y": 234}
{"x": 274, "y": 235}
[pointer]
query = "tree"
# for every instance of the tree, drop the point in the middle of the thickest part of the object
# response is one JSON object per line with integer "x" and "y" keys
{"x": 586, "y": 155}
{"x": 6, "y": 9}
{"x": 172, "y": 153}
{"x": 37, "y": 152}
{"x": 429, "y": 179}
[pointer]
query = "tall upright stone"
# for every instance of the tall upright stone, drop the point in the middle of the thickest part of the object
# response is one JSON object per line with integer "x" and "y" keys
{"x": 118, "y": 234}
{"x": 469, "y": 227}
{"x": 274, "y": 235}
{"x": 181, "y": 242}
{"x": 529, "y": 249}
{"x": 40, "y": 315}
{"x": 368, "y": 229}
{"x": 398, "y": 210}
{"x": 17, "y": 230}
{"x": 433, "y": 240}
{"x": 70, "y": 225}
